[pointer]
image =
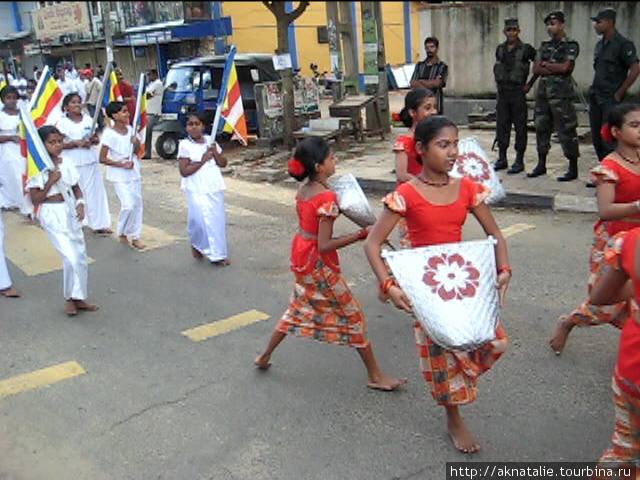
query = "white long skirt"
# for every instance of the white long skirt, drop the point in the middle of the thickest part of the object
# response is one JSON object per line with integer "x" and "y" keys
{"x": 5, "y": 279}
{"x": 12, "y": 167}
{"x": 92, "y": 186}
{"x": 65, "y": 233}
{"x": 130, "y": 219}
{"x": 207, "y": 224}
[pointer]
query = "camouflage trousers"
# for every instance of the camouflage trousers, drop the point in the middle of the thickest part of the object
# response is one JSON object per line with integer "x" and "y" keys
{"x": 557, "y": 114}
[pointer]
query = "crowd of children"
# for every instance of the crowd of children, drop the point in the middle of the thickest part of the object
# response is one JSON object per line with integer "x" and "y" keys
{"x": 431, "y": 205}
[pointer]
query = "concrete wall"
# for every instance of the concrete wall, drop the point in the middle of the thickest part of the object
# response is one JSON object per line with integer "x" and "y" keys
{"x": 469, "y": 34}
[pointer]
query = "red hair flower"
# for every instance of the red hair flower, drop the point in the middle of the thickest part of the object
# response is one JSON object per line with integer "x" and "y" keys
{"x": 605, "y": 133}
{"x": 295, "y": 167}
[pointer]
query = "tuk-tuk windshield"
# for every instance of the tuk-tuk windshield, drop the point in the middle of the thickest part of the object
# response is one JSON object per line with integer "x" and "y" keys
{"x": 182, "y": 79}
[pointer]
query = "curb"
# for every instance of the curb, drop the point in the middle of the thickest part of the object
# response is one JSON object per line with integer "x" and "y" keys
{"x": 558, "y": 203}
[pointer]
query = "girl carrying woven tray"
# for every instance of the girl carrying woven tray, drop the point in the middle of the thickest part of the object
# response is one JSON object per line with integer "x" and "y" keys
{"x": 617, "y": 180}
{"x": 322, "y": 306}
{"x": 435, "y": 207}
{"x": 620, "y": 282}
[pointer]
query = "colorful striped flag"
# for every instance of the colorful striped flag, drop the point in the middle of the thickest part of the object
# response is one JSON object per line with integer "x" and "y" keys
{"x": 46, "y": 102}
{"x": 233, "y": 111}
{"x": 38, "y": 159}
{"x": 140, "y": 118}
{"x": 112, "y": 91}
{"x": 2, "y": 84}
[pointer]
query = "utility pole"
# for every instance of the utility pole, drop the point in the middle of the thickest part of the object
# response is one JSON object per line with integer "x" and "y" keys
{"x": 342, "y": 45}
{"x": 375, "y": 75}
{"x": 106, "y": 22}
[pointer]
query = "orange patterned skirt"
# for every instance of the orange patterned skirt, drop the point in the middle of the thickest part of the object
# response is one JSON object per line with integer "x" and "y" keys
{"x": 451, "y": 375}
{"x": 323, "y": 308}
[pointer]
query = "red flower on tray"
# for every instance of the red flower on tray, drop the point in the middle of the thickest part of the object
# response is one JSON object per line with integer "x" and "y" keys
{"x": 451, "y": 276}
{"x": 473, "y": 167}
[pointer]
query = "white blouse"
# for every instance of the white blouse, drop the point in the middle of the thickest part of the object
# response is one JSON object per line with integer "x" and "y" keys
{"x": 119, "y": 150}
{"x": 69, "y": 178}
{"x": 208, "y": 178}
{"x": 73, "y": 131}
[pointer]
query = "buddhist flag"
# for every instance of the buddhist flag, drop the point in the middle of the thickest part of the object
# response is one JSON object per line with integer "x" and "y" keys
{"x": 2, "y": 84}
{"x": 46, "y": 102}
{"x": 233, "y": 111}
{"x": 112, "y": 90}
{"x": 140, "y": 118}
{"x": 38, "y": 159}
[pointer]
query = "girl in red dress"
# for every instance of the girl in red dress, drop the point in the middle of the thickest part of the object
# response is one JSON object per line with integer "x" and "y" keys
{"x": 418, "y": 105}
{"x": 614, "y": 286}
{"x": 435, "y": 207}
{"x": 618, "y": 190}
{"x": 322, "y": 306}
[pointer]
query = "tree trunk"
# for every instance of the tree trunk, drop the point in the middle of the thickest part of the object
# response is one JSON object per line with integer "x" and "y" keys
{"x": 287, "y": 86}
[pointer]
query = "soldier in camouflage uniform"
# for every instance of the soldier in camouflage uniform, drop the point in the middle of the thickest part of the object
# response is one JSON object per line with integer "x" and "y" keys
{"x": 554, "y": 104}
{"x": 511, "y": 70}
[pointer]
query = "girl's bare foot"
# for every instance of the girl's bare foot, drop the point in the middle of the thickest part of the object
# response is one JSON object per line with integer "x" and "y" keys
{"x": 222, "y": 263}
{"x": 82, "y": 305}
{"x": 262, "y": 362}
{"x": 196, "y": 253}
{"x": 561, "y": 333}
{"x": 124, "y": 239}
{"x": 70, "y": 308}
{"x": 385, "y": 383}
{"x": 460, "y": 435}
{"x": 10, "y": 293}
{"x": 103, "y": 231}
{"x": 137, "y": 244}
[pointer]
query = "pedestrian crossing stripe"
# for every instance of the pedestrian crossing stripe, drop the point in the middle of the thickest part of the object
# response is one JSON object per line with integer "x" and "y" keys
{"x": 226, "y": 325}
{"x": 40, "y": 378}
{"x": 516, "y": 228}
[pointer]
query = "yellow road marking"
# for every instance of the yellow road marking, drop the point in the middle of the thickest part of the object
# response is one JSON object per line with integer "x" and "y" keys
{"x": 152, "y": 237}
{"x": 224, "y": 326}
{"x": 516, "y": 228}
{"x": 28, "y": 247}
{"x": 40, "y": 378}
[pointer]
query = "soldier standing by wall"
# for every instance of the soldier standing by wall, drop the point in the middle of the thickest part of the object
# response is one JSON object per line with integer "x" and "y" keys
{"x": 511, "y": 70}
{"x": 554, "y": 103}
{"x": 616, "y": 68}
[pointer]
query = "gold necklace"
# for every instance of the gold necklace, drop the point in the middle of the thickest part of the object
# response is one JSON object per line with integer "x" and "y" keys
{"x": 627, "y": 159}
{"x": 433, "y": 184}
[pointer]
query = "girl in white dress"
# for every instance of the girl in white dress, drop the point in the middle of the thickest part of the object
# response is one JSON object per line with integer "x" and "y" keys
{"x": 117, "y": 144}
{"x": 62, "y": 220}
{"x": 80, "y": 149}
{"x": 12, "y": 164}
{"x": 203, "y": 184}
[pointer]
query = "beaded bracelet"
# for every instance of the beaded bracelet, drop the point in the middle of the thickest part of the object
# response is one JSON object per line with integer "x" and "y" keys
{"x": 387, "y": 284}
{"x": 362, "y": 234}
{"x": 505, "y": 268}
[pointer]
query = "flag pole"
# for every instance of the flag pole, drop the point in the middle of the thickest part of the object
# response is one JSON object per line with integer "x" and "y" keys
{"x": 136, "y": 118}
{"x": 223, "y": 90}
{"x": 101, "y": 95}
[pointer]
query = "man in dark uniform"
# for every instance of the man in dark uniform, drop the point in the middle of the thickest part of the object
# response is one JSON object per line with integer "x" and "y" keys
{"x": 511, "y": 70}
{"x": 616, "y": 68}
{"x": 554, "y": 103}
{"x": 431, "y": 73}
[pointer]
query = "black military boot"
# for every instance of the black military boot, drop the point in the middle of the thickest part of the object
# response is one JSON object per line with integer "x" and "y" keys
{"x": 571, "y": 173}
{"x": 518, "y": 165}
{"x": 501, "y": 164}
{"x": 540, "y": 168}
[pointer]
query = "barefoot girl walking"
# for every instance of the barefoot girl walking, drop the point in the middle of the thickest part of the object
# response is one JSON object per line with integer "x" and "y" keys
{"x": 322, "y": 306}
{"x": 435, "y": 207}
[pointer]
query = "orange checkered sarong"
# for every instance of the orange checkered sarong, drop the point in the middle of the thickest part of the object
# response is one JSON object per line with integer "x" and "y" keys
{"x": 626, "y": 435}
{"x": 323, "y": 308}
{"x": 587, "y": 315}
{"x": 451, "y": 375}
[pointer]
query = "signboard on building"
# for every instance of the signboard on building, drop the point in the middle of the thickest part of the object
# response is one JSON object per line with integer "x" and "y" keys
{"x": 60, "y": 19}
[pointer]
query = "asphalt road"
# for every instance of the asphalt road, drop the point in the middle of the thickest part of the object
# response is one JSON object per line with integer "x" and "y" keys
{"x": 154, "y": 404}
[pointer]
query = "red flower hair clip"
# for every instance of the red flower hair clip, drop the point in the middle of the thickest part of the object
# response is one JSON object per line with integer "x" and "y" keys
{"x": 295, "y": 167}
{"x": 605, "y": 133}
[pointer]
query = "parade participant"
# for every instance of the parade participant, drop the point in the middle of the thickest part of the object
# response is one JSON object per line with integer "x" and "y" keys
{"x": 435, "y": 207}
{"x": 616, "y": 68}
{"x": 202, "y": 181}
{"x": 62, "y": 221}
{"x": 117, "y": 144}
{"x": 554, "y": 104}
{"x": 128, "y": 95}
{"x": 322, "y": 306}
{"x": 511, "y": 70}
{"x": 431, "y": 73}
{"x": 618, "y": 190}
{"x": 81, "y": 151}
{"x": 621, "y": 282}
{"x": 154, "y": 92}
{"x": 418, "y": 105}
{"x": 6, "y": 287}
{"x": 13, "y": 166}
